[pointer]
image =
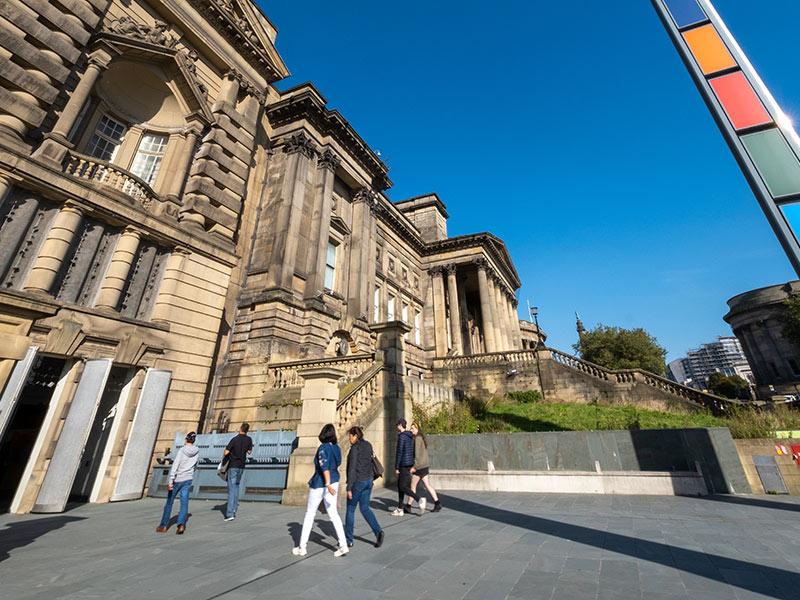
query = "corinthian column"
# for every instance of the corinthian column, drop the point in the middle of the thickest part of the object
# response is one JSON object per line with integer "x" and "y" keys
{"x": 320, "y": 224}
{"x": 439, "y": 320}
{"x": 119, "y": 269}
{"x": 55, "y": 247}
{"x": 486, "y": 306}
{"x": 499, "y": 329}
{"x": 455, "y": 313}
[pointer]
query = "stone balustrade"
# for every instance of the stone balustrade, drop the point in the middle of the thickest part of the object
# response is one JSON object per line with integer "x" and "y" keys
{"x": 353, "y": 404}
{"x": 285, "y": 374}
{"x": 88, "y": 168}
{"x": 488, "y": 359}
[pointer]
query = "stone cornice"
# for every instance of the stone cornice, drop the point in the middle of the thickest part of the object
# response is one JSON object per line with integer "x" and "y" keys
{"x": 227, "y": 17}
{"x": 305, "y": 102}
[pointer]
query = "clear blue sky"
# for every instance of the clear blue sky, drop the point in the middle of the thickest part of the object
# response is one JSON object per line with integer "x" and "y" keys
{"x": 571, "y": 130}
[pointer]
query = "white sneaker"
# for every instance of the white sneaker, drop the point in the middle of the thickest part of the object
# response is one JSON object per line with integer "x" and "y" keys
{"x": 423, "y": 502}
{"x": 298, "y": 551}
{"x": 398, "y": 512}
{"x": 342, "y": 551}
{"x": 228, "y": 519}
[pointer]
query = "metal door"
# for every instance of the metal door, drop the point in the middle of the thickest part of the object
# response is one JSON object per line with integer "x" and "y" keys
{"x": 770, "y": 475}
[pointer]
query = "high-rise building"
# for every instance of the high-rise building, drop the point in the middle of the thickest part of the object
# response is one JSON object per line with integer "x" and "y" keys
{"x": 723, "y": 356}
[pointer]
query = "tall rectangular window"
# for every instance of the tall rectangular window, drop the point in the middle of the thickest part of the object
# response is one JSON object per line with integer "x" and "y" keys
{"x": 376, "y": 305}
{"x": 106, "y": 139}
{"x": 417, "y": 328}
{"x": 330, "y": 266}
{"x": 390, "y": 309}
{"x": 404, "y": 317}
{"x": 148, "y": 157}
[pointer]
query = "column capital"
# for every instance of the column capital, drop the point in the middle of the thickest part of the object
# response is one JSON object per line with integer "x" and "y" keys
{"x": 481, "y": 263}
{"x": 328, "y": 160}
{"x": 132, "y": 230}
{"x": 72, "y": 206}
{"x": 300, "y": 142}
{"x": 182, "y": 250}
{"x": 99, "y": 59}
{"x": 451, "y": 268}
{"x": 436, "y": 271}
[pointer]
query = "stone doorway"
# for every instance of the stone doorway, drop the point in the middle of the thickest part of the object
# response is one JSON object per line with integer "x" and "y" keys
{"x": 28, "y": 414}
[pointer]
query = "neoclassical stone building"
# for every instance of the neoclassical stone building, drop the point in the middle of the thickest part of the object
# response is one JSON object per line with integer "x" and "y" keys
{"x": 178, "y": 238}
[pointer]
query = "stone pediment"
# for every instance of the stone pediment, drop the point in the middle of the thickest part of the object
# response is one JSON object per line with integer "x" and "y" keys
{"x": 125, "y": 37}
{"x": 245, "y": 28}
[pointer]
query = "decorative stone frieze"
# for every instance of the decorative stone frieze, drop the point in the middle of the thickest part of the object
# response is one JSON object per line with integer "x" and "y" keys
{"x": 155, "y": 34}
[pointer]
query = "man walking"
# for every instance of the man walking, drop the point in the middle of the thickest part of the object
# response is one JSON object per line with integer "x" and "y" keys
{"x": 236, "y": 453}
{"x": 404, "y": 462}
{"x": 179, "y": 482}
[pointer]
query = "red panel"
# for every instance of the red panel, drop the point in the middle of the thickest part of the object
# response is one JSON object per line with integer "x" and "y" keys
{"x": 740, "y": 101}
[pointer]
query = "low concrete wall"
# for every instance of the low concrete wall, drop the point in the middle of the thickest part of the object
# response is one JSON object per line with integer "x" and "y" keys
{"x": 789, "y": 470}
{"x": 664, "y": 450}
{"x": 573, "y": 482}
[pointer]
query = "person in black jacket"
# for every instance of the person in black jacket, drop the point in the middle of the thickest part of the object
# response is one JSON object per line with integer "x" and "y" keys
{"x": 404, "y": 462}
{"x": 359, "y": 485}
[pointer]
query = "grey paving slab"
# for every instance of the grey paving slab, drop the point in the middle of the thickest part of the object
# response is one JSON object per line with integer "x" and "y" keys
{"x": 482, "y": 545}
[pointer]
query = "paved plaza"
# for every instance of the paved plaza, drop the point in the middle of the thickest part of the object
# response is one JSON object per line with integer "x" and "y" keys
{"x": 482, "y": 545}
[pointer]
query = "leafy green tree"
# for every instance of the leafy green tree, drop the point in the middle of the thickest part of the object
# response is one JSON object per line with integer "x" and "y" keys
{"x": 728, "y": 386}
{"x": 619, "y": 348}
{"x": 791, "y": 320}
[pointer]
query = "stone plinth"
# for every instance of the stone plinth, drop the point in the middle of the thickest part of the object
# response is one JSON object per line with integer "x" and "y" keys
{"x": 319, "y": 395}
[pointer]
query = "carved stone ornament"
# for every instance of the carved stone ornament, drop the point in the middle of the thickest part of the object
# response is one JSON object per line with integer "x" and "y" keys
{"x": 300, "y": 142}
{"x": 156, "y": 35}
{"x": 189, "y": 59}
{"x": 247, "y": 86}
{"x": 368, "y": 196}
{"x": 451, "y": 268}
{"x": 328, "y": 160}
{"x": 435, "y": 271}
{"x": 481, "y": 263}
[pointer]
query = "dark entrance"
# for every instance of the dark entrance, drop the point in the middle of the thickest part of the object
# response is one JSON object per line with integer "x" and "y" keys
{"x": 98, "y": 436}
{"x": 23, "y": 429}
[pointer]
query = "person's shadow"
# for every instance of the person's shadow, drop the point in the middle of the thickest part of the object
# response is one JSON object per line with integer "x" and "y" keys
{"x": 22, "y": 533}
{"x": 327, "y": 528}
{"x": 222, "y": 508}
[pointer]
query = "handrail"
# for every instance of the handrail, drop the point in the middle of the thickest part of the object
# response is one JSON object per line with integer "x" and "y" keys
{"x": 357, "y": 400}
{"x": 103, "y": 172}
{"x": 366, "y": 376}
{"x": 286, "y": 374}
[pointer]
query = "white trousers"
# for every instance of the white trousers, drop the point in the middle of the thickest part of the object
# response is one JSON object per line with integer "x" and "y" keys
{"x": 314, "y": 497}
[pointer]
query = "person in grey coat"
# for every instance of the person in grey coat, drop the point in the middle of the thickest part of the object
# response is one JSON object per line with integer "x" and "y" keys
{"x": 179, "y": 483}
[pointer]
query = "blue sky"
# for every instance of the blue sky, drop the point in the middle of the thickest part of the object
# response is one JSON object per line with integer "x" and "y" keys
{"x": 571, "y": 130}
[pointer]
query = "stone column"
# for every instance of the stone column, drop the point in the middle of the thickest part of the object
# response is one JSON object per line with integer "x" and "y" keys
{"x": 502, "y": 309}
{"x": 5, "y": 185}
{"x": 300, "y": 150}
{"x": 181, "y": 170}
{"x": 361, "y": 264}
{"x": 486, "y": 306}
{"x": 119, "y": 269}
{"x": 466, "y": 334}
{"x": 320, "y": 224}
{"x": 439, "y": 321}
{"x": 55, "y": 247}
{"x": 512, "y": 306}
{"x": 494, "y": 299}
{"x": 55, "y": 145}
{"x": 455, "y": 312}
{"x": 176, "y": 265}
{"x": 319, "y": 396}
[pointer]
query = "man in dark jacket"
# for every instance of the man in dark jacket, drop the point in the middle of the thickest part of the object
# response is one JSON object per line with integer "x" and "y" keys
{"x": 404, "y": 462}
{"x": 236, "y": 456}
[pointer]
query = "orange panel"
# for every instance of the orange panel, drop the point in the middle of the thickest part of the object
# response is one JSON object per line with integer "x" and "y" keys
{"x": 709, "y": 50}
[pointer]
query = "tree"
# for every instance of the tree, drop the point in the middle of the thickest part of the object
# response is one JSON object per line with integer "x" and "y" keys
{"x": 791, "y": 321}
{"x": 618, "y": 348}
{"x": 728, "y": 386}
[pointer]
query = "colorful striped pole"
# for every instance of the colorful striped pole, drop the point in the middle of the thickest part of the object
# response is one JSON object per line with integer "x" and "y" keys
{"x": 758, "y": 133}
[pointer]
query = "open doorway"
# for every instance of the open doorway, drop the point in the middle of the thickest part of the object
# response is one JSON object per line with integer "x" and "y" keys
{"x": 93, "y": 451}
{"x": 26, "y": 421}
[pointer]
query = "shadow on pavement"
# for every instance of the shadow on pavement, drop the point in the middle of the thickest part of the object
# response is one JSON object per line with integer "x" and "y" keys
{"x": 22, "y": 533}
{"x": 776, "y": 505}
{"x": 756, "y": 578}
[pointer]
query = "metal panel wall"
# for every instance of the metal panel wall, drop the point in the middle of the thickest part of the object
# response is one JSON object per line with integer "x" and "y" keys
{"x": 64, "y": 464}
{"x": 139, "y": 449}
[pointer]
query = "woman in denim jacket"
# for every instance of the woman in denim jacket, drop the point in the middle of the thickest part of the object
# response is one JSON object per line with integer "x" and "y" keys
{"x": 324, "y": 485}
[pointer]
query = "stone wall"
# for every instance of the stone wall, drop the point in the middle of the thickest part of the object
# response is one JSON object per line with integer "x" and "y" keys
{"x": 649, "y": 450}
{"x": 790, "y": 471}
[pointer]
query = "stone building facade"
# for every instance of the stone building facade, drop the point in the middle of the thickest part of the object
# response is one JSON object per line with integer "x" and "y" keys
{"x": 757, "y": 318}
{"x": 176, "y": 233}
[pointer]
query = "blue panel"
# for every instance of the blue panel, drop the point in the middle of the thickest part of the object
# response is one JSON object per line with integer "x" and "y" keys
{"x": 685, "y": 12}
{"x": 791, "y": 212}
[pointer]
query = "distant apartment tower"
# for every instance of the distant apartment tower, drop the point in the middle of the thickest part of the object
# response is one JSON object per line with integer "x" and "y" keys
{"x": 723, "y": 356}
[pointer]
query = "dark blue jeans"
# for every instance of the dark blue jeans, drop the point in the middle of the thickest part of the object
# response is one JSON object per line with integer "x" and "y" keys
{"x": 179, "y": 490}
{"x": 362, "y": 491}
{"x": 234, "y": 479}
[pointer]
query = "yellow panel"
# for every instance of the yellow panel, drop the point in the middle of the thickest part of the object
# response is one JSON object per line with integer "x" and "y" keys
{"x": 709, "y": 50}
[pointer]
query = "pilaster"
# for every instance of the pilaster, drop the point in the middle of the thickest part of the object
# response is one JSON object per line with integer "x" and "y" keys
{"x": 439, "y": 320}
{"x": 119, "y": 269}
{"x": 54, "y": 249}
